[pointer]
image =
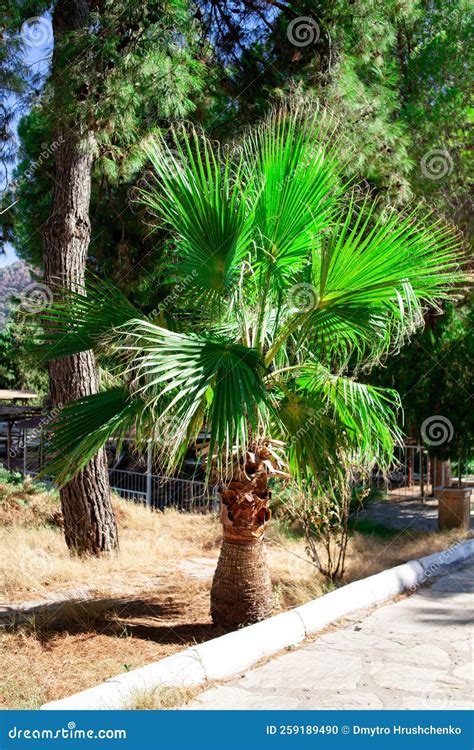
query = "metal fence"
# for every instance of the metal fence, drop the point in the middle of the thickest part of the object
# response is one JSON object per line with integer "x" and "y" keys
{"x": 411, "y": 474}
{"x": 28, "y": 455}
{"x": 161, "y": 492}
{"x": 131, "y": 475}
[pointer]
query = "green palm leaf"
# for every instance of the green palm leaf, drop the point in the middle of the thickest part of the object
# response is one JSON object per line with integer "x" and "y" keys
{"x": 201, "y": 195}
{"x": 83, "y": 427}
{"x": 372, "y": 281}
{"x": 366, "y": 414}
{"x": 196, "y": 380}
{"x": 299, "y": 185}
{"x": 77, "y": 319}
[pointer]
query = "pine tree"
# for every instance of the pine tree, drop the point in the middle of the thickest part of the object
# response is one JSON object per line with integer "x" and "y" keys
{"x": 108, "y": 57}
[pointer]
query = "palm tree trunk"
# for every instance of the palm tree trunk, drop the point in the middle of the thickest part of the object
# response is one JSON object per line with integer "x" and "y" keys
{"x": 241, "y": 591}
{"x": 89, "y": 520}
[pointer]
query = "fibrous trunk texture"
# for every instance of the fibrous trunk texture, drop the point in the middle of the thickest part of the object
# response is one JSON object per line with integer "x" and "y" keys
{"x": 241, "y": 590}
{"x": 89, "y": 520}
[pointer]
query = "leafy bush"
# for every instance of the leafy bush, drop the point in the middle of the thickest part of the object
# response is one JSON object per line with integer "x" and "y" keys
{"x": 10, "y": 477}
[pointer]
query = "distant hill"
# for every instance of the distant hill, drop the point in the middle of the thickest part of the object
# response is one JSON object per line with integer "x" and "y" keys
{"x": 13, "y": 279}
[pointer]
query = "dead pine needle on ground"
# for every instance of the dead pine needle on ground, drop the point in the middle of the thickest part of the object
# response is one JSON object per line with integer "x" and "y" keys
{"x": 110, "y": 615}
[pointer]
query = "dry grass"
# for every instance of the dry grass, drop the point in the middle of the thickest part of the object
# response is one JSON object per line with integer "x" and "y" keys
{"x": 34, "y": 560}
{"x": 52, "y": 659}
{"x": 164, "y": 697}
{"x": 368, "y": 555}
{"x": 141, "y": 607}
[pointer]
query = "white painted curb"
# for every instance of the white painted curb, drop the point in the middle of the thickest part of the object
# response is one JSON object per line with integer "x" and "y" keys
{"x": 234, "y": 652}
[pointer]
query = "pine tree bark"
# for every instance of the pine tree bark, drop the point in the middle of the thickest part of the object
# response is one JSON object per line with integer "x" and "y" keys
{"x": 89, "y": 520}
{"x": 241, "y": 591}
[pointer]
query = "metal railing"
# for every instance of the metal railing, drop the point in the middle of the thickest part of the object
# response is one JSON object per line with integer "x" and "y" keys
{"x": 132, "y": 477}
{"x": 411, "y": 474}
{"x": 28, "y": 456}
{"x": 160, "y": 492}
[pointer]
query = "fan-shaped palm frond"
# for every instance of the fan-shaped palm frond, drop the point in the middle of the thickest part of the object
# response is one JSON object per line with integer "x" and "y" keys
{"x": 371, "y": 283}
{"x": 298, "y": 186}
{"x": 83, "y": 427}
{"x": 196, "y": 380}
{"x": 202, "y": 196}
{"x": 78, "y": 319}
{"x": 248, "y": 225}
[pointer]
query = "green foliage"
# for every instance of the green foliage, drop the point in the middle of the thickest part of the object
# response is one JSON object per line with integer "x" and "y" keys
{"x": 16, "y": 368}
{"x": 392, "y": 74}
{"x": 437, "y": 62}
{"x": 135, "y": 67}
{"x": 434, "y": 377}
{"x": 10, "y": 477}
{"x": 250, "y": 363}
{"x": 371, "y": 528}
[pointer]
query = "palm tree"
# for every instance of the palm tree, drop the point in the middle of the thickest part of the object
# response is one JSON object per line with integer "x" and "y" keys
{"x": 284, "y": 281}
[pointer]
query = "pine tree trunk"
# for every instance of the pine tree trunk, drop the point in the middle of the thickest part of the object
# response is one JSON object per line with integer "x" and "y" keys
{"x": 241, "y": 591}
{"x": 89, "y": 520}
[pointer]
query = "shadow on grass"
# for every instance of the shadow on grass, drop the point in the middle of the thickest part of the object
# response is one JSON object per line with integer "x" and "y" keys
{"x": 138, "y": 618}
{"x": 371, "y": 528}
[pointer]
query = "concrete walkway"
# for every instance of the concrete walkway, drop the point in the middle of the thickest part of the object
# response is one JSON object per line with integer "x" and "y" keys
{"x": 406, "y": 515}
{"x": 411, "y": 654}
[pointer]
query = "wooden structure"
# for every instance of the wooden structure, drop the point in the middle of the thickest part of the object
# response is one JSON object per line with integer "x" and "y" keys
{"x": 17, "y": 395}
{"x": 12, "y": 412}
{"x": 454, "y": 507}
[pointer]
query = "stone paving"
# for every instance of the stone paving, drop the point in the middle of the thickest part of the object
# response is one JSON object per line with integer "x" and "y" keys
{"x": 405, "y": 514}
{"x": 415, "y": 653}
